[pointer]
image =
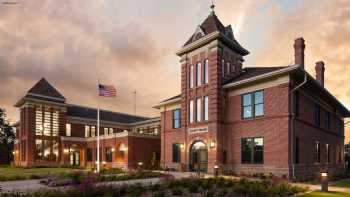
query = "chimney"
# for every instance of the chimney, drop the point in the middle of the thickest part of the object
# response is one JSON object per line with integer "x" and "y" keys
{"x": 320, "y": 72}
{"x": 299, "y": 48}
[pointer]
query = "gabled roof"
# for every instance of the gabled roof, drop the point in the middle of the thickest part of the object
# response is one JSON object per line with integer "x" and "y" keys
{"x": 44, "y": 89}
{"x": 91, "y": 113}
{"x": 212, "y": 24}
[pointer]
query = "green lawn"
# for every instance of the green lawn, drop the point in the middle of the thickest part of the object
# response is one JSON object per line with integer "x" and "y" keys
{"x": 12, "y": 173}
{"x": 326, "y": 194}
{"x": 342, "y": 183}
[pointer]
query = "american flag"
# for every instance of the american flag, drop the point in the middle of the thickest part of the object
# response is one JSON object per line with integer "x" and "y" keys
{"x": 106, "y": 91}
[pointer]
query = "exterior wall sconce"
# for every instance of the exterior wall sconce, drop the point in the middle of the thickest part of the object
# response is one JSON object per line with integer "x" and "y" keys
{"x": 212, "y": 144}
{"x": 103, "y": 162}
{"x": 216, "y": 170}
{"x": 140, "y": 163}
{"x": 113, "y": 149}
{"x": 182, "y": 145}
{"x": 66, "y": 150}
{"x": 324, "y": 181}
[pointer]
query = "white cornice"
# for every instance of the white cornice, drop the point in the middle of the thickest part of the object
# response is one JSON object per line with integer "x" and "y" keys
{"x": 105, "y": 137}
{"x": 263, "y": 76}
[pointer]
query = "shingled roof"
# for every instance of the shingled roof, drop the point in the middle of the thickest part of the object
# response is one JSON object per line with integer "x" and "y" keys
{"x": 213, "y": 24}
{"x": 43, "y": 90}
{"x": 91, "y": 113}
{"x": 250, "y": 72}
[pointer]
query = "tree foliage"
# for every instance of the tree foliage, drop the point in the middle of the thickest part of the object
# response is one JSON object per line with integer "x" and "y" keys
{"x": 7, "y": 138}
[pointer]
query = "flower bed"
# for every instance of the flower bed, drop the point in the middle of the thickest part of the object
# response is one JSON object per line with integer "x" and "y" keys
{"x": 184, "y": 187}
{"x": 73, "y": 179}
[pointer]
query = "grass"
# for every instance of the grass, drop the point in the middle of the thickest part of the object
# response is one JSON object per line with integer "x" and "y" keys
{"x": 326, "y": 194}
{"x": 13, "y": 173}
{"x": 342, "y": 183}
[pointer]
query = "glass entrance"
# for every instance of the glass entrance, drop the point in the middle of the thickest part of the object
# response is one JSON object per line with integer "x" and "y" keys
{"x": 199, "y": 157}
{"x": 74, "y": 155}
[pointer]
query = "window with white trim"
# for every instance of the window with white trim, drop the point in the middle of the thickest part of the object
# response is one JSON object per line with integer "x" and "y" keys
{"x": 191, "y": 111}
{"x": 199, "y": 110}
{"x": 206, "y": 71}
{"x": 206, "y": 108}
{"x": 68, "y": 130}
{"x": 191, "y": 77}
{"x": 198, "y": 73}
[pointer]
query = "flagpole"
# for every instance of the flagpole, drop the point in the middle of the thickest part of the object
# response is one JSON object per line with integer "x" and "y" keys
{"x": 98, "y": 130}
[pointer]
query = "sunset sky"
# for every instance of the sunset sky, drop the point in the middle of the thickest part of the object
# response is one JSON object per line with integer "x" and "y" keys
{"x": 131, "y": 44}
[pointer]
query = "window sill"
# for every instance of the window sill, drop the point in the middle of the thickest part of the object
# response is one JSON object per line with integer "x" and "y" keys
{"x": 253, "y": 118}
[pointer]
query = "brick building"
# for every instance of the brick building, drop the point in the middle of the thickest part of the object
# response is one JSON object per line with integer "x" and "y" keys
{"x": 52, "y": 132}
{"x": 276, "y": 120}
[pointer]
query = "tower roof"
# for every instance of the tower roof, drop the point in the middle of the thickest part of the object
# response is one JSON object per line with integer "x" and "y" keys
{"x": 44, "y": 88}
{"x": 212, "y": 24}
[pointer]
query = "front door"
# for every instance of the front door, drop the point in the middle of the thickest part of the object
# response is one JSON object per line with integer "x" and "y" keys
{"x": 74, "y": 156}
{"x": 199, "y": 157}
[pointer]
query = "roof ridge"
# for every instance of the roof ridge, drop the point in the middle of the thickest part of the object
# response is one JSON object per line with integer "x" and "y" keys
{"x": 105, "y": 110}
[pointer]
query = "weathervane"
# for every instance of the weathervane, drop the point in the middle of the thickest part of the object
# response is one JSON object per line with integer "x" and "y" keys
{"x": 212, "y": 7}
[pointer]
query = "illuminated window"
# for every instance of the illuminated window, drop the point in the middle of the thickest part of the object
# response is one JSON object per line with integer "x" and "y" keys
{"x": 68, "y": 130}
{"x": 223, "y": 68}
{"x": 109, "y": 154}
{"x": 93, "y": 131}
{"x": 87, "y": 131}
{"x": 38, "y": 121}
{"x": 111, "y": 131}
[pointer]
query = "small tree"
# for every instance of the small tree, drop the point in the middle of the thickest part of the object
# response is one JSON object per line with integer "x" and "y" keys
{"x": 7, "y": 138}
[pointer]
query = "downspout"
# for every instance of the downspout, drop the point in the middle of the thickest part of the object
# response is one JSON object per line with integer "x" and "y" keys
{"x": 292, "y": 123}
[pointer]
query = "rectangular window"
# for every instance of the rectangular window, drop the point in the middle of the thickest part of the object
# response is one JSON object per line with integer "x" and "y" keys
{"x": 199, "y": 73}
{"x": 176, "y": 153}
{"x": 223, "y": 67}
{"x": 328, "y": 120}
{"x": 68, "y": 130}
{"x": 87, "y": 131}
{"x": 206, "y": 71}
{"x": 47, "y": 150}
{"x": 199, "y": 110}
{"x": 206, "y": 108}
{"x": 253, "y": 104}
{"x": 191, "y": 84}
{"x": 228, "y": 67}
{"x": 89, "y": 154}
{"x": 191, "y": 111}
{"x": 55, "y": 151}
{"x": 328, "y": 153}
{"x": 47, "y": 122}
{"x": 317, "y": 152}
{"x": 105, "y": 130}
{"x": 93, "y": 131}
{"x": 297, "y": 149}
{"x": 39, "y": 121}
{"x": 109, "y": 154}
{"x": 252, "y": 150}
{"x": 340, "y": 127}
{"x": 55, "y": 123}
{"x": 317, "y": 115}
{"x": 176, "y": 118}
{"x": 38, "y": 149}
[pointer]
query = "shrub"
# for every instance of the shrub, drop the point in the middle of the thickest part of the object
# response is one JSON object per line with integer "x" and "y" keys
{"x": 193, "y": 188}
{"x": 111, "y": 171}
{"x": 177, "y": 192}
{"x": 158, "y": 194}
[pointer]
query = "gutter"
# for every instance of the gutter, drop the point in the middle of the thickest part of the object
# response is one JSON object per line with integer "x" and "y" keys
{"x": 291, "y": 140}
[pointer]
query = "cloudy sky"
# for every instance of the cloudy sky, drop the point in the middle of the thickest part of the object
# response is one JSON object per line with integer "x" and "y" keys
{"x": 131, "y": 44}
